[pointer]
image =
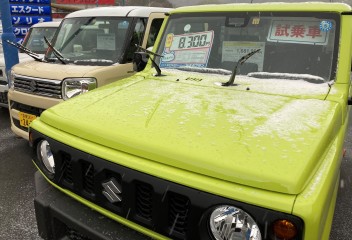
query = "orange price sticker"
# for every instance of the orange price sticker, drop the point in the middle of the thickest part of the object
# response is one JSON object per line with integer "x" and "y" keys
{"x": 169, "y": 39}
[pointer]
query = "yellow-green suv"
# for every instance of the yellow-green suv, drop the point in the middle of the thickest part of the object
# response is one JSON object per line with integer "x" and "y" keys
{"x": 235, "y": 130}
{"x": 92, "y": 47}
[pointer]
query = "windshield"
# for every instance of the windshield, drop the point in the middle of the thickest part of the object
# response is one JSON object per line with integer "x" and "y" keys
{"x": 276, "y": 44}
{"x": 35, "y": 38}
{"x": 91, "y": 40}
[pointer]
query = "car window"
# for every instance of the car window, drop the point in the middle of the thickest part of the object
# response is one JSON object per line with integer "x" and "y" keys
{"x": 291, "y": 43}
{"x": 137, "y": 38}
{"x": 154, "y": 30}
{"x": 92, "y": 40}
{"x": 34, "y": 39}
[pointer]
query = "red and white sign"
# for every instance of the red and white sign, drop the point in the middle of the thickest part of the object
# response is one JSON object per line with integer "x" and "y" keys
{"x": 304, "y": 32}
{"x": 92, "y": 2}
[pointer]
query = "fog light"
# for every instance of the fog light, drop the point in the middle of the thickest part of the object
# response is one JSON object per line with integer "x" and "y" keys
{"x": 284, "y": 229}
{"x": 231, "y": 223}
{"x": 46, "y": 156}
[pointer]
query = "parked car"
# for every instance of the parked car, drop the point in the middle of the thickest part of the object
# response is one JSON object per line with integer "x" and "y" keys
{"x": 33, "y": 41}
{"x": 93, "y": 47}
{"x": 235, "y": 130}
{"x": 1, "y": 49}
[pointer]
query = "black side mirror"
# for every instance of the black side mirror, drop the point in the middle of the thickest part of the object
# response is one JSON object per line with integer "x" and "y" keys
{"x": 140, "y": 60}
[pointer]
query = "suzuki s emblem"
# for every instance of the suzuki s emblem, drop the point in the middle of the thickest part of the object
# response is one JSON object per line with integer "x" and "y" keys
{"x": 33, "y": 85}
{"x": 112, "y": 190}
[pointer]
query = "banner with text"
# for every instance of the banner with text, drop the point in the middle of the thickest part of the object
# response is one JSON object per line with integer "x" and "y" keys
{"x": 25, "y": 13}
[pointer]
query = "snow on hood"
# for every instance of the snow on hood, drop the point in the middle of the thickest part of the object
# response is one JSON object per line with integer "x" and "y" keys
{"x": 303, "y": 115}
{"x": 262, "y": 140}
{"x": 297, "y": 85}
{"x": 287, "y": 76}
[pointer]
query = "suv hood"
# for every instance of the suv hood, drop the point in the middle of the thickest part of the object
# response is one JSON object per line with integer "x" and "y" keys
{"x": 245, "y": 134}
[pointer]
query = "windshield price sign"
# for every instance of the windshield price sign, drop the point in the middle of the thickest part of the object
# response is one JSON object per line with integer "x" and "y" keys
{"x": 191, "y": 49}
{"x": 232, "y": 51}
{"x": 304, "y": 32}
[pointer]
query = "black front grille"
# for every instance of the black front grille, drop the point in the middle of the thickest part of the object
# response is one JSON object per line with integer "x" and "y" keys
{"x": 88, "y": 177}
{"x": 170, "y": 209}
{"x": 141, "y": 202}
{"x": 66, "y": 170}
{"x": 37, "y": 86}
{"x": 178, "y": 213}
{"x": 144, "y": 200}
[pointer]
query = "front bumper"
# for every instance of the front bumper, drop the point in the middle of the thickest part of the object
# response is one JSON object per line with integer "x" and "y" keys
{"x": 29, "y": 104}
{"x": 61, "y": 217}
{"x": 159, "y": 208}
{"x": 3, "y": 99}
{"x": 3, "y": 91}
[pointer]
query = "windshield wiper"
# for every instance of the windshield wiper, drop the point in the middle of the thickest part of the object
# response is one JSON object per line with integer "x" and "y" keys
{"x": 157, "y": 68}
{"x": 241, "y": 61}
{"x": 34, "y": 55}
{"x": 57, "y": 54}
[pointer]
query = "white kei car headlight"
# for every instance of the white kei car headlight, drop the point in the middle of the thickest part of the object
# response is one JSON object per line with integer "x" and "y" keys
{"x": 231, "y": 223}
{"x": 46, "y": 156}
{"x": 72, "y": 87}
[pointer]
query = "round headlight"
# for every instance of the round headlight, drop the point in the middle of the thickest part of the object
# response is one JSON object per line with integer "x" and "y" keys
{"x": 232, "y": 223}
{"x": 46, "y": 156}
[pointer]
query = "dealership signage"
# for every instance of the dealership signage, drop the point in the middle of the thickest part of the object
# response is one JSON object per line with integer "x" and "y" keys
{"x": 25, "y": 13}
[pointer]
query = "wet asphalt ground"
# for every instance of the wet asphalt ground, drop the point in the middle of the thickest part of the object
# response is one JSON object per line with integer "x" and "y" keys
{"x": 17, "y": 218}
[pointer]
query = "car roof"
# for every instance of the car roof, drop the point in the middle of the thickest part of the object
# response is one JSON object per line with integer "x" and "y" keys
{"x": 120, "y": 11}
{"x": 47, "y": 24}
{"x": 268, "y": 6}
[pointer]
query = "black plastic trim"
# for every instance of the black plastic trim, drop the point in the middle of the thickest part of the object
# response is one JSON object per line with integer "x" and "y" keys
{"x": 59, "y": 217}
